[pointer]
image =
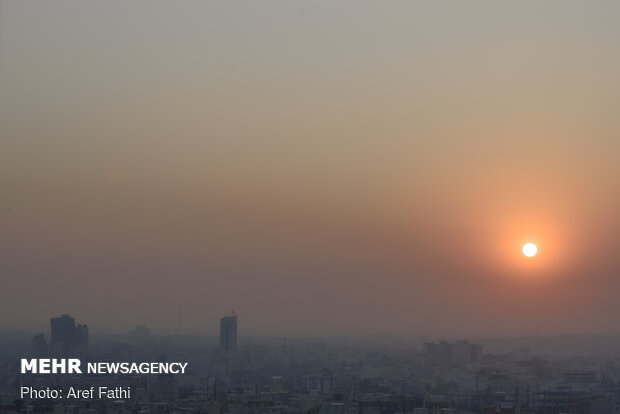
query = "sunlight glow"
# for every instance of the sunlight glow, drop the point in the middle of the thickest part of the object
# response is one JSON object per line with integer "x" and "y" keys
{"x": 530, "y": 249}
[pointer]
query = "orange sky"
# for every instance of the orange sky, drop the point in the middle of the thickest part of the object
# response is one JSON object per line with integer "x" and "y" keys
{"x": 320, "y": 168}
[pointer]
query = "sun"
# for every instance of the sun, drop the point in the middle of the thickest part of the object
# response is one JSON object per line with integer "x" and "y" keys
{"x": 529, "y": 249}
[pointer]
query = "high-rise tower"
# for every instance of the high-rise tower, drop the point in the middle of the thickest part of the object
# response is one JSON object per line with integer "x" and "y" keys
{"x": 67, "y": 339}
{"x": 228, "y": 333}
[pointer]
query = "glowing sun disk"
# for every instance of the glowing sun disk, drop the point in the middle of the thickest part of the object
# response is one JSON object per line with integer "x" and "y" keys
{"x": 529, "y": 249}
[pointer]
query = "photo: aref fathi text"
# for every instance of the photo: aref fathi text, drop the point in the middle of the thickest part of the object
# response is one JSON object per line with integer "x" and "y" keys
{"x": 100, "y": 392}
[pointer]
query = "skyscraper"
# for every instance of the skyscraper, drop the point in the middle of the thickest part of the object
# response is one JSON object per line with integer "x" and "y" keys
{"x": 228, "y": 333}
{"x": 63, "y": 335}
{"x": 67, "y": 339}
{"x": 81, "y": 341}
{"x": 39, "y": 346}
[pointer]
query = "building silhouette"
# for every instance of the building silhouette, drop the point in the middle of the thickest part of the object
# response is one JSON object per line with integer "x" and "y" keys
{"x": 67, "y": 338}
{"x": 81, "y": 341}
{"x": 228, "y": 333}
{"x": 39, "y": 346}
{"x": 461, "y": 352}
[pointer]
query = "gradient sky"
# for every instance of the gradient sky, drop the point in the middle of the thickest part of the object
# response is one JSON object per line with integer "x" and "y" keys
{"x": 319, "y": 167}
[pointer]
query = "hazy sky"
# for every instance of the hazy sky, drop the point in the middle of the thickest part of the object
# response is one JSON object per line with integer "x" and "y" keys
{"x": 319, "y": 167}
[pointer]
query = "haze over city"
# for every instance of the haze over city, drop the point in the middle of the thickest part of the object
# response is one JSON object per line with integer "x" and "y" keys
{"x": 320, "y": 168}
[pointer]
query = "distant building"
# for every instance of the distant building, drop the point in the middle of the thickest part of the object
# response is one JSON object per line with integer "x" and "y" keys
{"x": 321, "y": 384}
{"x": 139, "y": 334}
{"x": 39, "y": 346}
{"x": 67, "y": 338}
{"x": 228, "y": 333}
{"x": 207, "y": 390}
{"x": 561, "y": 400}
{"x": 461, "y": 352}
{"x": 81, "y": 341}
{"x": 62, "y": 336}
